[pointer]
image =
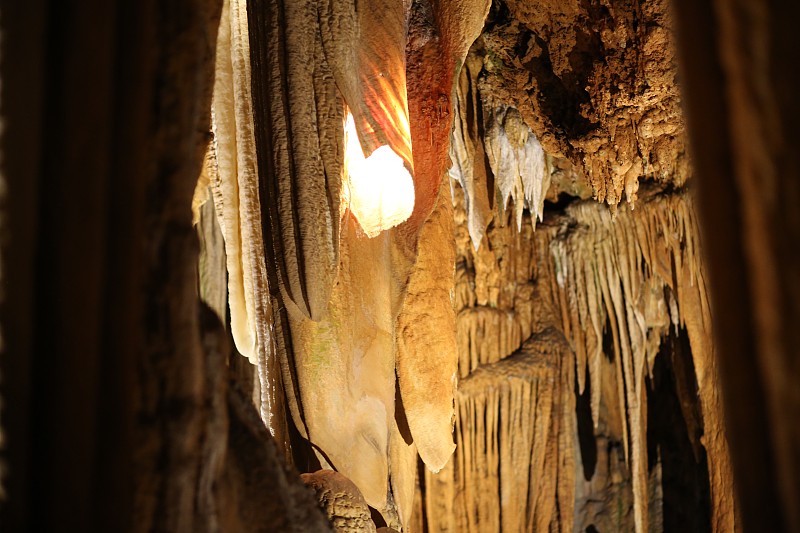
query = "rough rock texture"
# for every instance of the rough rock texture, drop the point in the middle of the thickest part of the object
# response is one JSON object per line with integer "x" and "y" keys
{"x": 440, "y": 33}
{"x": 299, "y": 147}
{"x": 341, "y": 500}
{"x": 232, "y": 171}
{"x": 595, "y": 81}
{"x": 616, "y": 288}
{"x": 258, "y": 491}
{"x": 357, "y": 317}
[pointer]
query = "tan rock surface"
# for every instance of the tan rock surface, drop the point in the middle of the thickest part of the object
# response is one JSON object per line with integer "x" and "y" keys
{"x": 341, "y": 500}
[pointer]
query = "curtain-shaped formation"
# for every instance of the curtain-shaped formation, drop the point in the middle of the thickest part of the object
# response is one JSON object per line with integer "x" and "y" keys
{"x": 467, "y": 151}
{"x": 232, "y": 169}
{"x": 513, "y": 469}
{"x": 354, "y": 318}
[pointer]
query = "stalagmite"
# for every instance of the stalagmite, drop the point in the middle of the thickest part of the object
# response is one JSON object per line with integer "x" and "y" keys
{"x": 343, "y": 503}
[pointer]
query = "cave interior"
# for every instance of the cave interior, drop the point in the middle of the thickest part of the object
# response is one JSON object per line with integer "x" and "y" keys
{"x": 410, "y": 266}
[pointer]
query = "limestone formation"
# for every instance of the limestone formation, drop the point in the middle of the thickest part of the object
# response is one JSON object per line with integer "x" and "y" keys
{"x": 365, "y": 265}
{"x": 595, "y": 81}
{"x": 232, "y": 169}
{"x": 511, "y": 470}
{"x": 341, "y": 500}
{"x": 368, "y": 314}
{"x": 631, "y": 280}
{"x": 350, "y": 311}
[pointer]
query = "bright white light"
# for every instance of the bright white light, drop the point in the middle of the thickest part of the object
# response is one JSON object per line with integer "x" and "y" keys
{"x": 381, "y": 191}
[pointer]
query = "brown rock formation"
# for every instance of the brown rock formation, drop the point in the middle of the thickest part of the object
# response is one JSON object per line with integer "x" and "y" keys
{"x": 739, "y": 62}
{"x": 615, "y": 288}
{"x": 175, "y": 194}
{"x": 341, "y": 500}
{"x": 513, "y": 443}
{"x": 595, "y": 81}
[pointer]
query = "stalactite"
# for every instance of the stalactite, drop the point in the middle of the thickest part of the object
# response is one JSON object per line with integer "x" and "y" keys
{"x": 467, "y": 151}
{"x": 647, "y": 266}
{"x": 518, "y": 163}
{"x": 212, "y": 271}
{"x": 426, "y": 339}
{"x": 345, "y": 317}
{"x": 486, "y": 335}
{"x": 299, "y": 143}
{"x": 440, "y": 35}
{"x": 231, "y": 101}
{"x": 514, "y": 467}
{"x": 630, "y": 278}
{"x": 346, "y": 368}
{"x": 603, "y": 95}
{"x": 233, "y": 174}
{"x": 350, "y": 310}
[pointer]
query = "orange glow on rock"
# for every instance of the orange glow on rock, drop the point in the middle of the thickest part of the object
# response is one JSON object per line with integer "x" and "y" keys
{"x": 380, "y": 190}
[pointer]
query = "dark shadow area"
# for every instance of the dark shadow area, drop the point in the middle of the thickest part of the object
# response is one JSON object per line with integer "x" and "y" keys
{"x": 377, "y": 518}
{"x": 672, "y": 406}
{"x": 400, "y": 415}
{"x": 608, "y": 341}
{"x": 303, "y": 456}
{"x": 586, "y": 437}
{"x": 560, "y": 204}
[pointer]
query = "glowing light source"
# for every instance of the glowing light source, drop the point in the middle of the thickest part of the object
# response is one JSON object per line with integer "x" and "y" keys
{"x": 380, "y": 190}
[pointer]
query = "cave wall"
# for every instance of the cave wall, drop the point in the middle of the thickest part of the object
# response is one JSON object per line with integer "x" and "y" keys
{"x": 619, "y": 283}
{"x": 739, "y": 64}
